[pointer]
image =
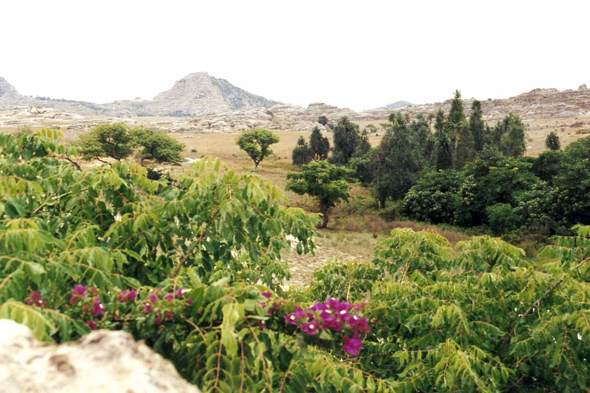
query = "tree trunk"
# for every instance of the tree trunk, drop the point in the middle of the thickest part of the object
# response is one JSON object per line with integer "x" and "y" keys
{"x": 326, "y": 218}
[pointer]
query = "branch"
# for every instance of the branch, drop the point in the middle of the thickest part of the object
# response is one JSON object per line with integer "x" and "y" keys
{"x": 526, "y": 314}
{"x": 188, "y": 253}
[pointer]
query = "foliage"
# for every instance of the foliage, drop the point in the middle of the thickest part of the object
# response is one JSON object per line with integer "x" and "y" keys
{"x": 327, "y": 183}
{"x": 477, "y": 125}
{"x": 323, "y": 120}
{"x": 346, "y": 140}
{"x": 552, "y": 141}
{"x": 256, "y": 143}
{"x": 107, "y": 140}
{"x": 157, "y": 146}
{"x": 319, "y": 144}
{"x": 475, "y": 318}
{"x": 513, "y": 140}
{"x": 303, "y": 153}
{"x": 502, "y": 218}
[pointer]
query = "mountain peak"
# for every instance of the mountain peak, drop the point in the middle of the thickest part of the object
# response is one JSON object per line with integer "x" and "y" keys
{"x": 200, "y": 92}
{"x": 8, "y": 92}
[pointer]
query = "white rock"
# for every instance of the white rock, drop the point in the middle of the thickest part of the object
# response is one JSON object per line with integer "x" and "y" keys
{"x": 102, "y": 361}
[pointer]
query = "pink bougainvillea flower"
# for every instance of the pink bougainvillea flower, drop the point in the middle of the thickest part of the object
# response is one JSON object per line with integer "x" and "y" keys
{"x": 148, "y": 308}
{"x": 159, "y": 290}
{"x": 91, "y": 325}
{"x": 158, "y": 320}
{"x": 93, "y": 290}
{"x": 318, "y": 307}
{"x": 79, "y": 290}
{"x": 359, "y": 324}
{"x": 132, "y": 295}
{"x": 310, "y": 327}
{"x": 330, "y": 321}
{"x": 36, "y": 300}
{"x": 353, "y": 344}
{"x": 169, "y": 297}
{"x": 261, "y": 324}
{"x": 74, "y": 299}
{"x": 189, "y": 302}
{"x": 168, "y": 315}
{"x": 180, "y": 292}
{"x": 295, "y": 316}
{"x": 154, "y": 298}
{"x": 98, "y": 307}
{"x": 123, "y": 296}
{"x": 267, "y": 295}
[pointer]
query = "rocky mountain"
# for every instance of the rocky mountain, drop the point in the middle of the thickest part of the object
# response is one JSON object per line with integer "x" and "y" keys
{"x": 398, "y": 105}
{"x": 195, "y": 94}
{"x": 8, "y": 94}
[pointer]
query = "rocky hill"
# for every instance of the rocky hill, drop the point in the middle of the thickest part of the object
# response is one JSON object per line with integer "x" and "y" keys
{"x": 8, "y": 94}
{"x": 398, "y": 105}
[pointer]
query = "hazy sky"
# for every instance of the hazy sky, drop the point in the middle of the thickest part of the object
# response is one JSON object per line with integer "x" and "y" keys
{"x": 356, "y": 54}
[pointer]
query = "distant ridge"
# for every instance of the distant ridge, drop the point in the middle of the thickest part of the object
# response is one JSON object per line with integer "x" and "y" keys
{"x": 399, "y": 104}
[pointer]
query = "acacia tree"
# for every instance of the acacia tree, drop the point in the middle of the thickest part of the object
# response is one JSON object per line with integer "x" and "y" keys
{"x": 552, "y": 141}
{"x": 157, "y": 146}
{"x": 256, "y": 143}
{"x": 327, "y": 183}
{"x": 107, "y": 140}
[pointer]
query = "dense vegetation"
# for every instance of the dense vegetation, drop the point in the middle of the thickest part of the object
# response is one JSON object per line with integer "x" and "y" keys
{"x": 193, "y": 266}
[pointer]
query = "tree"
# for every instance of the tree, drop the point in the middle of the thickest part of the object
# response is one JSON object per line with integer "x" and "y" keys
{"x": 443, "y": 149}
{"x": 107, "y": 140}
{"x": 465, "y": 146}
{"x": 327, "y": 183}
{"x": 400, "y": 162}
{"x": 346, "y": 140}
{"x": 323, "y": 120}
{"x": 319, "y": 144}
{"x": 477, "y": 125}
{"x": 302, "y": 154}
{"x": 157, "y": 146}
{"x": 552, "y": 142}
{"x": 513, "y": 141}
{"x": 256, "y": 142}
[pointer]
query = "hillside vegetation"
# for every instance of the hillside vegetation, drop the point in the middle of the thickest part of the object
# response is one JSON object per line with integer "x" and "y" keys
{"x": 193, "y": 265}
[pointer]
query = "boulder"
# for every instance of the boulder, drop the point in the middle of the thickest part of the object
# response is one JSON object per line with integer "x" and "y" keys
{"x": 102, "y": 361}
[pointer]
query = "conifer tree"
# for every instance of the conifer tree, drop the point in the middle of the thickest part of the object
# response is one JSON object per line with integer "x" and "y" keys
{"x": 477, "y": 125}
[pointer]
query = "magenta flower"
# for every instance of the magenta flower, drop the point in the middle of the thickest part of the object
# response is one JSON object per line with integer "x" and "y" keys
{"x": 295, "y": 316}
{"x": 267, "y": 295}
{"x": 180, "y": 292}
{"x": 79, "y": 290}
{"x": 98, "y": 307}
{"x": 330, "y": 321}
{"x": 93, "y": 290}
{"x": 310, "y": 327}
{"x": 74, "y": 299}
{"x": 158, "y": 320}
{"x": 359, "y": 324}
{"x": 154, "y": 298}
{"x": 353, "y": 345}
{"x": 168, "y": 315}
{"x": 169, "y": 297}
{"x": 36, "y": 300}
{"x": 318, "y": 307}
{"x": 148, "y": 308}
{"x": 132, "y": 295}
{"x": 189, "y": 302}
{"x": 261, "y": 324}
{"x": 123, "y": 297}
{"x": 91, "y": 325}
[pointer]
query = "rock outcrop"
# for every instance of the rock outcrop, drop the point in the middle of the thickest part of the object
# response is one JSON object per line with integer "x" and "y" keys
{"x": 102, "y": 361}
{"x": 8, "y": 94}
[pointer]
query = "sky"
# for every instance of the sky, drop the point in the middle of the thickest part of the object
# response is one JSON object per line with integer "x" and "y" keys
{"x": 355, "y": 54}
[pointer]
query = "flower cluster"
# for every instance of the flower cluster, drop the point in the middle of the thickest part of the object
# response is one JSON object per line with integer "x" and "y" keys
{"x": 334, "y": 316}
{"x": 36, "y": 300}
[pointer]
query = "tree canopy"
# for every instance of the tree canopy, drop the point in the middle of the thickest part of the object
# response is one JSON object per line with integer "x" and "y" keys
{"x": 256, "y": 143}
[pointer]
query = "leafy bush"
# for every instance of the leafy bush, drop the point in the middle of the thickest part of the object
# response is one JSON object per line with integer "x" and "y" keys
{"x": 302, "y": 154}
{"x": 502, "y": 218}
{"x": 256, "y": 143}
{"x": 157, "y": 146}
